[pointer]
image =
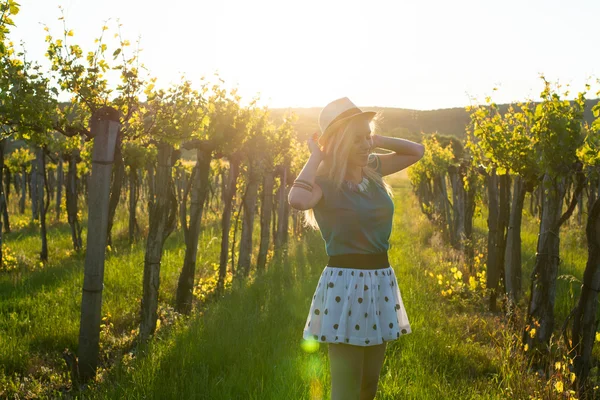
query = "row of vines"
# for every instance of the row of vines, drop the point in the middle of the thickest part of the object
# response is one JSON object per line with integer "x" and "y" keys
{"x": 545, "y": 149}
{"x": 171, "y": 152}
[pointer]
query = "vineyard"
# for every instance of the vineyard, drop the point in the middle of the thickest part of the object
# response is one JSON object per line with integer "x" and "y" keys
{"x": 148, "y": 249}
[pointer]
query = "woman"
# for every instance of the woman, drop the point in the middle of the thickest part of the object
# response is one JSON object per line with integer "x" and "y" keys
{"x": 357, "y": 307}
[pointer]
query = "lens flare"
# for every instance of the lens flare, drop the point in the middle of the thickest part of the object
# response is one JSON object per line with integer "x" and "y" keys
{"x": 310, "y": 345}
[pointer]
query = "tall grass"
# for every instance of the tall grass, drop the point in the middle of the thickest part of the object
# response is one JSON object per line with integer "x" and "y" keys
{"x": 248, "y": 343}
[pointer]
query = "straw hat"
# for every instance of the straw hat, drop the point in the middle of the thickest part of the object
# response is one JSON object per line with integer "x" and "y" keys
{"x": 335, "y": 114}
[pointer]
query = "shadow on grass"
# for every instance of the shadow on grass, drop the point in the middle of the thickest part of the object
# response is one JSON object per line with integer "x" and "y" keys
{"x": 175, "y": 240}
{"x": 245, "y": 345}
{"x": 48, "y": 277}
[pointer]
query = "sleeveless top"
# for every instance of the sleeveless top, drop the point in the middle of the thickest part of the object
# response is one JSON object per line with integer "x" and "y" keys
{"x": 354, "y": 222}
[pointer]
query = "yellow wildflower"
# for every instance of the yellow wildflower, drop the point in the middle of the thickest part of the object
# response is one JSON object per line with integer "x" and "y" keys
{"x": 532, "y": 333}
{"x": 559, "y": 387}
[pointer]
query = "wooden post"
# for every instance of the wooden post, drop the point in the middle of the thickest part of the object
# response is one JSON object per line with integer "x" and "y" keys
{"x": 281, "y": 222}
{"x": 133, "y": 198}
{"x": 59, "y": 185}
{"x": 248, "y": 220}
{"x": 40, "y": 160}
{"x": 493, "y": 269}
{"x": 234, "y": 168}
{"x": 104, "y": 129}
{"x": 583, "y": 333}
{"x": 33, "y": 191}
{"x": 72, "y": 191}
{"x": 2, "y": 199}
{"x": 162, "y": 216}
{"x": 7, "y": 176}
{"x": 512, "y": 251}
{"x": 115, "y": 192}
{"x": 266, "y": 208}
{"x": 23, "y": 190}
{"x": 200, "y": 185}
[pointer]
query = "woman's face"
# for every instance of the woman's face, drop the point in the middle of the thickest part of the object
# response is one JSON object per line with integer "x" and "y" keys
{"x": 361, "y": 142}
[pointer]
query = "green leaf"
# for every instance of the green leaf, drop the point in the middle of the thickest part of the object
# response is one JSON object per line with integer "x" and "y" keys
{"x": 13, "y": 8}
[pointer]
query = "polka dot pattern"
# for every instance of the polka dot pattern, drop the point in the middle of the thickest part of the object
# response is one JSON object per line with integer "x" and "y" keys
{"x": 379, "y": 314}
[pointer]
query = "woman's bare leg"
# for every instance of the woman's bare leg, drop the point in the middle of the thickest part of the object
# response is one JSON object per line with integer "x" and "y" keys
{"x": 373, "y": 360}
{"x": 346, "y": 362}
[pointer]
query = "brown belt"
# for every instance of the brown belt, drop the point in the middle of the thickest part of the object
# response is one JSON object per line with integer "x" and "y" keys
{"x": 359, "y": 261}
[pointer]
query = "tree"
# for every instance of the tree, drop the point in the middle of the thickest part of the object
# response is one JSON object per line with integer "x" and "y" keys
{"x": 278, "y": 142}
{"x": 503, "y": 145}
{"x": 86, "y": 79}
{"x": 557, "y": 132}
{"x": 173, "y": 115}
{"x": 135, "y": 156}
{"x": 583, "y": 332}
{"x": 27, "y": 112}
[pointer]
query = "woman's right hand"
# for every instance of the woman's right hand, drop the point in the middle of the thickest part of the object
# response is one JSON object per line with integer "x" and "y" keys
{"x": 313, "y": 146}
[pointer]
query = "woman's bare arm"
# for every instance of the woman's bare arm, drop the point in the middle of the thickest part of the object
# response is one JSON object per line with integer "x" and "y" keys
{"x": 405, "y": 153}
{"x": 302, "y": 199}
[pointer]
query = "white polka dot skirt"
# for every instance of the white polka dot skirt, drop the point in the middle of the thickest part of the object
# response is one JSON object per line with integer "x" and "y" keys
{"x": 356, "y": 306}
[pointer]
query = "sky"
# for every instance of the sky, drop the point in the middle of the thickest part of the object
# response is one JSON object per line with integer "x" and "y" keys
{"x": 420, "y": 54}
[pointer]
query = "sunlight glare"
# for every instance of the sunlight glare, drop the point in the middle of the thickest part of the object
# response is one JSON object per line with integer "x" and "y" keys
{"x": 310, "y": 345}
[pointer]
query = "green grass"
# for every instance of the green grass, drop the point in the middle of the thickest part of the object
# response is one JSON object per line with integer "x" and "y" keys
{"x": 248, "y": 343}
{"x": 573, "y": 254}
{"x": 40, "y": 304}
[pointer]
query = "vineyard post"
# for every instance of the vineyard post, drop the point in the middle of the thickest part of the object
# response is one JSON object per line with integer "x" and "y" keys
{"x": 2, "y": 198}
{"x": 234, "y": 168}
{"x": 281, "y": 236}
{"x": 33, "y": 191}
{"x": 199, "y": 187}
{"x": 5, "y": 218}
{"x": 245, "y": 250}
{"x": 23, "y": 190}
{"x": 40, "y": 160}
{"x": 71, "y": 193}
{"x": 104, "y": 129}
{"x": 59, "y": 185}
{"x": 286, "y": 207}
{"x": 266, "y": 208}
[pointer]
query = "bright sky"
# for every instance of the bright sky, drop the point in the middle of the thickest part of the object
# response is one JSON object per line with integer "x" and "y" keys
{"x": 419, "y": 54}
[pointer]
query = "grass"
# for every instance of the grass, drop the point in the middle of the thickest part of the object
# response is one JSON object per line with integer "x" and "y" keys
{"x": 40, "y": 304}
{"x": 248, "y": 344}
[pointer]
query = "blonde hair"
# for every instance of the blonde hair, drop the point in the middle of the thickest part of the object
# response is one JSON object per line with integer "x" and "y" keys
{"x": 335, "y": 161}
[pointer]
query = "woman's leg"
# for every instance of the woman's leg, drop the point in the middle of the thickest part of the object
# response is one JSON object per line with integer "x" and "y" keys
{"x": 346, "y": 362}
{"x": 374, "y": 356}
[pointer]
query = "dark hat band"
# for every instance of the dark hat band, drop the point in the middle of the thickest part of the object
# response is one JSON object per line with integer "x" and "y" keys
{"x": 348, "y": 113}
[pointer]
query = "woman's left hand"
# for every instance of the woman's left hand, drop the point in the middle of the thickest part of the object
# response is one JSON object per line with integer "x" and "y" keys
{"x": 374, "y": 141}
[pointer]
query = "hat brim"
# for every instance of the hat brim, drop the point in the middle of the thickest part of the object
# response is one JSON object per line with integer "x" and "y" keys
{"x": 333, "y": 127}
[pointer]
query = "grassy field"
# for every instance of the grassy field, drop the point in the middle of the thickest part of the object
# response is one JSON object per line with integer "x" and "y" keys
{"x": 248, "y": 344}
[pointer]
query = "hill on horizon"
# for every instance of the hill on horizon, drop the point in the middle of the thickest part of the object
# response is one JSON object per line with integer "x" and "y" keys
{"x": 401, "y": 122}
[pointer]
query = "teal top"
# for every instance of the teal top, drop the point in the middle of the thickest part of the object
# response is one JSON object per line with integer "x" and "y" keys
{"x": 354, "y": 222}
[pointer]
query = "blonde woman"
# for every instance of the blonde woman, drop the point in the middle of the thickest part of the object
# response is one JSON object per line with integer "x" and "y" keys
{"x": 357, "y": 307}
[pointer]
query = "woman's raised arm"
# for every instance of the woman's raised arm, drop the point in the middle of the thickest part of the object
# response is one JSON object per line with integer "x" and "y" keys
{"x": 306, "y": 194}
{"x": 405, "y": 153}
